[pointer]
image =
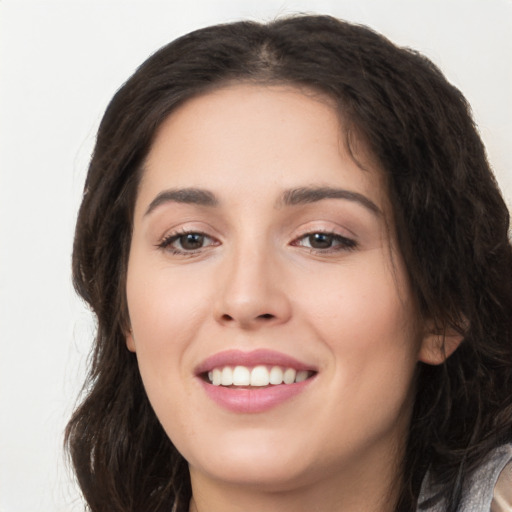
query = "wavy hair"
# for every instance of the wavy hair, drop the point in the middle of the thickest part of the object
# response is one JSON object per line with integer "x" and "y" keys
{"x": 451, "y": 221}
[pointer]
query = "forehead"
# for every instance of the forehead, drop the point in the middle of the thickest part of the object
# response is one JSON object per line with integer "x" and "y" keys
{"x": 253, "y": 137}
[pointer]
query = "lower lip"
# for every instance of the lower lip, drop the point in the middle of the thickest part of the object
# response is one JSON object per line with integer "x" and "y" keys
{"x": 253, "y": 400}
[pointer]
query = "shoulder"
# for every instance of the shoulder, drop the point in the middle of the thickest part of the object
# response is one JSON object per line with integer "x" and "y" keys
{"x": 487, "y": 489}
{"x": 502, "y": 499}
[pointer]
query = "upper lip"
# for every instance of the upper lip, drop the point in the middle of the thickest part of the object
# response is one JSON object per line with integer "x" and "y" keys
{"x": 250, "y": 359}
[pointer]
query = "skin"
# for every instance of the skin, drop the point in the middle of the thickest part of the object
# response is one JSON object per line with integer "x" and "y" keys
{"x": 256, "y": 283}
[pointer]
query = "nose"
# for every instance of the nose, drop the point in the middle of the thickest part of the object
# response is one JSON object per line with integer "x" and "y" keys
{"x": 252, "y": 292}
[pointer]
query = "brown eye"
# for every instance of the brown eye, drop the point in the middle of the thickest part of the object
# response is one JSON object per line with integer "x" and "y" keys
{"x": 187, "y": 243}
{"x": 320, "y": 240}
{"x": 325, "y": 242}
{"x": 191, "y": 241}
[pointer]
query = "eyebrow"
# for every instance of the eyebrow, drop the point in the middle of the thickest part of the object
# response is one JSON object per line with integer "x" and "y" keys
{"x": 292, "y": 197}
{"x": 305, "y": 195}
{"x": 196, "y": 196}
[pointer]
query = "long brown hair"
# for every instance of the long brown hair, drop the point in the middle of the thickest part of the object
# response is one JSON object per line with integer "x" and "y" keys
{"x": 451, "y": 221}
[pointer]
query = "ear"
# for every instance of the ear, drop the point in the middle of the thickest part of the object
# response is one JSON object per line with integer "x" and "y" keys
{"x": 439, "y": 344}
{"x": 130, "y": 342}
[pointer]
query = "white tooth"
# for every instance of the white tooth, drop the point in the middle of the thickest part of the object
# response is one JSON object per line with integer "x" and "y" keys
{"x": 241, "y": 376}
{"x": 276, "y": 375}
{"x": 301, "y": 375}
{"x": 260, "y": 376}
{"x": 217, "y": 377}
{"x": 210, "y": 376}
{"x": 227, "y": 376}
{"x": 289, "y": 376}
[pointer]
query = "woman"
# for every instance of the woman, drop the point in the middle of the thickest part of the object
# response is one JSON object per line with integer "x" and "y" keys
{"x": 299, "y": 262}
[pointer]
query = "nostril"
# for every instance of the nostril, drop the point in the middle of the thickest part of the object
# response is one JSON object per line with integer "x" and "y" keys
{"x": 227, "y": 318}
{"x": 266, "y": 316}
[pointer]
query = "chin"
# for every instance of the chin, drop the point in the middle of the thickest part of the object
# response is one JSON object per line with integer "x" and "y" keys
{"x": 255, "y": 462}
{"x": 271, "y": 476}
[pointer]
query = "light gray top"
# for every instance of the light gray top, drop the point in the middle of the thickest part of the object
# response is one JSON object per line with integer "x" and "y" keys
{"x": 488, "y": 489}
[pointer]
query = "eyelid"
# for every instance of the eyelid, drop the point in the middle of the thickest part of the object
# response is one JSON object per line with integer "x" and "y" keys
{"x": 326, "y": 226}
{"x": 167, "y": 230}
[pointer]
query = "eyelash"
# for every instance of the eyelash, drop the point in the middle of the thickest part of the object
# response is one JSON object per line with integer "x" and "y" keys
{"x": 166, "y": 243}
{"x": 344, "y": 243}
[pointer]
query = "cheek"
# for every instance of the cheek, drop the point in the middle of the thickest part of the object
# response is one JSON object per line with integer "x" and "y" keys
{"x": 166, "y": 309}
{"x": 164, "y": 302}
{"x": 368, "y": 321}
{"x": 362, "y": 306}
{"x": 164, "y": 316}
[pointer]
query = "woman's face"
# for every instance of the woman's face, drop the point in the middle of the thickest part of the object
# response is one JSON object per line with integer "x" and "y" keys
{"x": 262, "y": 251}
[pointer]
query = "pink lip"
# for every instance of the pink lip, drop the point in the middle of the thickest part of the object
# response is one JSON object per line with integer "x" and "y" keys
{"x": 251, "y": 400}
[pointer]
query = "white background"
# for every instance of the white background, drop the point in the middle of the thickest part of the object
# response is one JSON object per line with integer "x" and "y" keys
{"x": 60, "y": 63}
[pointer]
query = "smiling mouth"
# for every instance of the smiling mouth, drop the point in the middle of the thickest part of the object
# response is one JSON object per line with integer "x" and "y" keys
{"x": 257, "y": 376}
